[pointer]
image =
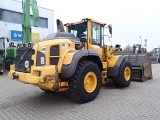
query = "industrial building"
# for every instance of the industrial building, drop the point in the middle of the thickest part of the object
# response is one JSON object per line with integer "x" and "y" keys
{"x": 11, "y": 21}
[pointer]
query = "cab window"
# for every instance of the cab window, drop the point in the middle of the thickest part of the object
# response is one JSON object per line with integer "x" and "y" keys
{"x": 96, "y": 34}
{"x": 78, "y": 29}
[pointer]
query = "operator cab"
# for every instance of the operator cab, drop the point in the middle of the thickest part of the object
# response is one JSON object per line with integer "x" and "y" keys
{"x": 137, "y": 48}
{"x": 3, "y": 42}
{"x": 94, "y": 30}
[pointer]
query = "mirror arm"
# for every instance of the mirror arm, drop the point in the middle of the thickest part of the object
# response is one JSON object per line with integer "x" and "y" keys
{"x": 108, "y": 36}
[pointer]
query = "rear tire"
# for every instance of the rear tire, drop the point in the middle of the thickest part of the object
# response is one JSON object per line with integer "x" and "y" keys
{"x": 85, "y": 83}
{"x": 7, "y": 67}
{"x": 1, "y": 73}
{"x": 124, "y": 75}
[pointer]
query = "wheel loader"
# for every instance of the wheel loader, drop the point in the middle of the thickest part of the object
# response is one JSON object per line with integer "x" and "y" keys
{"x": 76, "y": 61}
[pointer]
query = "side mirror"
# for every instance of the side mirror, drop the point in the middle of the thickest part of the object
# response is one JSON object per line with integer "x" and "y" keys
{"x": 83, "y": 38}
{"x": 110, "y": 29}
{"x": 117, "y": 46}
{"x": 11, "y": 44}
{"x": 19, "y": 45}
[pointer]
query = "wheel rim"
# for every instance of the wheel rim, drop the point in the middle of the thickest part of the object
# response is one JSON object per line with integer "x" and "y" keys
{"x": 127, "y": 73}
{"x": 90, "y": 82}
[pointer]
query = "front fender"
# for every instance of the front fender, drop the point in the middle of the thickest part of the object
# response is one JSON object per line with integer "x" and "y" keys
{"x": 114, "y": 65}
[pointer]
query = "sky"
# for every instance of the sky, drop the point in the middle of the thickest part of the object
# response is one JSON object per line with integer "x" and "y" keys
{"x": 130, "y": 19}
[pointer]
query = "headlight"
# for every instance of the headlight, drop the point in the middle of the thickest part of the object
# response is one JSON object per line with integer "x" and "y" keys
{"x": 26, "y": 64}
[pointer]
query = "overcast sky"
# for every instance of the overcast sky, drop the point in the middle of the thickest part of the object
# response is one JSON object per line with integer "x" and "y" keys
{"x": 129, "y": 18}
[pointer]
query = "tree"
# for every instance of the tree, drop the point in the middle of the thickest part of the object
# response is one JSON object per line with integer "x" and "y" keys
{"x": 128, "y": 48}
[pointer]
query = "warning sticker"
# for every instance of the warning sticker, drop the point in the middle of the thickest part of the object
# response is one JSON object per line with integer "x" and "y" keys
{"x": 42, "y": 60}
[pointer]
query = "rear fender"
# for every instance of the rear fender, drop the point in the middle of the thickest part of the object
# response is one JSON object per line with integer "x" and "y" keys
{"x": 68, "y": 70}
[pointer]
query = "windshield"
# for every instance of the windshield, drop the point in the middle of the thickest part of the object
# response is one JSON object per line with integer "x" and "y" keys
{"x": 1, "y": 44}
{"x": 81, "y": 28}
{"x": 78, "y": 29}
{"x": 157, "y": 50}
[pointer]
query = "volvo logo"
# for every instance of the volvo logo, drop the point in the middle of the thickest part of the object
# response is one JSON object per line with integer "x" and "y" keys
{"x": 43, "y": 49}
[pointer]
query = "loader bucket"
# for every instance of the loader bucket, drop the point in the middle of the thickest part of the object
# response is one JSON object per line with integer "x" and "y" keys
{"x": 141, "y": 65}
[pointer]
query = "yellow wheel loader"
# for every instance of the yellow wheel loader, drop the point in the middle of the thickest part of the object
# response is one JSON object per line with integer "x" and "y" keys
{"x": 76, "y": 61}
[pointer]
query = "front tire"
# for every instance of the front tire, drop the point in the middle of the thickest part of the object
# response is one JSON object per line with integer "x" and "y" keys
{"x": 85, "y": 83}
{"x": 124, "y": 75}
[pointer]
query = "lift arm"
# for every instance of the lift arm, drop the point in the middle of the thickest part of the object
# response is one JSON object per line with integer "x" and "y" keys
{"x": 26, "y": 18}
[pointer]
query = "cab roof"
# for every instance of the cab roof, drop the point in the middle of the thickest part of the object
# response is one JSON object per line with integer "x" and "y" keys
{"x": 93, "y": 20}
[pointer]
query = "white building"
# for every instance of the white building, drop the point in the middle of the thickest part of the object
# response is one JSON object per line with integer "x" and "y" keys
{"x": 11, "y": 21}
